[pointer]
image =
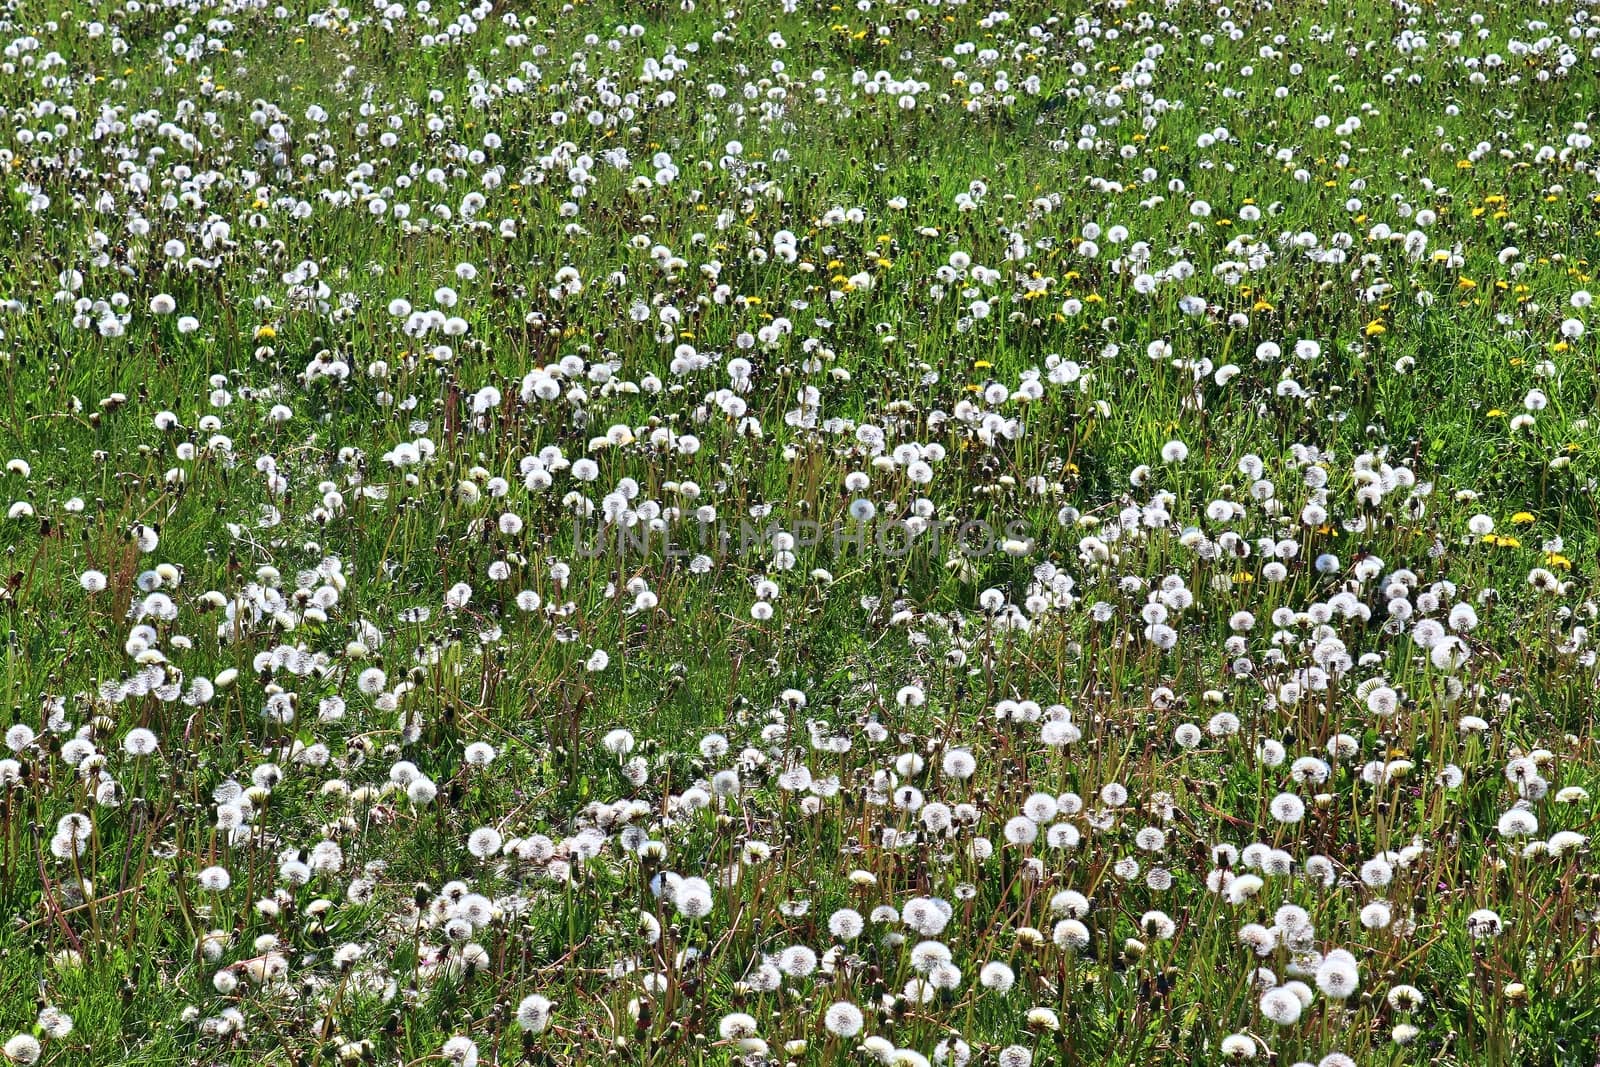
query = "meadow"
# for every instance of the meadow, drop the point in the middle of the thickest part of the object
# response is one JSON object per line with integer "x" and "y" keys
{"x": 890, "y": 532}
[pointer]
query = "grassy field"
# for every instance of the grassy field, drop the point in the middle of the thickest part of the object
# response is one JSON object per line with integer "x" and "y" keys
{"x": 799, "y": 533}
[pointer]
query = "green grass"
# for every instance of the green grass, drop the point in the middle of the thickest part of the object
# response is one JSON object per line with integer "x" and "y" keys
{"x": 928, "y": 217}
